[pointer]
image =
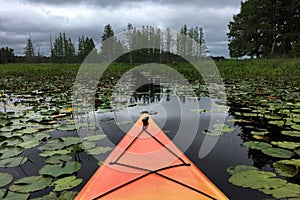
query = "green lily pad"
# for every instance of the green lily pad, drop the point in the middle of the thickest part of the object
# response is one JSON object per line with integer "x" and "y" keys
{"x": 66, "y": 183}
{"x": 291, "y": 133}
{"x": 257, "y": 145}
{"x": 98, "y": 150}
{"x": 122, "y": 123}
{"x": 296, "y": 127}
{"x": 286, "y": 170}
{"x": 287, "y": 145}
{"x": 240, "y": 168}
{"x": 55, "y": 152}
{"x": 2, "y": 192}
{"x": 12, "y": 128}
{"x": 13, "y": 161}
{"x": 38, "y": 136}
{"x": 5, "y": 179}
{"x": 224, "y": 128}
{"x": 60, "y": 143}
{"x": 52, "y": 145}
{"x": 8, "y": 152}
{"x": 256, "y": 179}
{"x": 58, "y": 159}
{"x": 295, "y": 162}
{"x": 259, "y": 132}
{"x": 30, "y": 184}
{"x": 278, "y": 123}
{"x": 66, "y": 195}
{"x": 11, "y": 141}
{"x": 4, "y": 122}
{"x": 68, "y": 141}
{"x": 29, "y": 144}
{"x": 278, "y": 153}
{"x": 285, "y": 191}
{"x": 50, "y": 196}
{"x": 297, "y": 151}
{"x": 95, "y": 137}
{"x": 60, "y": 169}
{"x": 28, "y": 131}
{"x": 199, "y": 110}
{"x": 88, "y": 145}
{"x": 67, "y": 128}
{"x": 15, "y": 196}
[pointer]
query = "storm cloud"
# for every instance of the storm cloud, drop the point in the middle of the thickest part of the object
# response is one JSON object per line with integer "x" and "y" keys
{"x": 43, "y": 18}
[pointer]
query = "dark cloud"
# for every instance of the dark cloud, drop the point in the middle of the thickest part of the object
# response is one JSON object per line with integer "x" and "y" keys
{"x": 40, "y": 18}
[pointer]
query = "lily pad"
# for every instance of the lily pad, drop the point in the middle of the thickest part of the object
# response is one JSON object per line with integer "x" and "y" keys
{"x": 66, "y": 183}
{"x": 257, "y": 145}
{"x": 199, "y": 110}
{"x": 58, "y": 159}
{"x": 259, "y": 132}
{"x": 286, "y": 191}
{"x": 88, "y": 144}
{"x": 30, "y": 184}
{"x": 11, "y": 141}
{"x": 29, "y": 144}
{"x": 295, "y": 162}
{"x": 278, "y": 123}
{"x": 296, "y": 127}
{"x": 50, "y": 196}
{"x": 256, "y": 179}
{"x": 291, "y": 133}
{"x": 286, "y": 170}
{"x": 5, "y": 179}
{"x": 13, "y": 161}
{"x": 98, "y": 150}
{"x": 297, "y": 151}
{"x": 60, "y": 169}
{"x": 278, "y": 153}
{"x": 28, "y": 131}
{"x": 4, "y": 122}
{"x": 240, "y": 168}
{"x": 95, "y": 137}
{"x": 15, "y": 196}
{"x": 8, "y": 152}
{"x": 123, "y": 123}
{"x": 54, "y": 152}
{"x": 287, "y": 145}
{"x": 67, "y": 128}
{"x": 12, "y": 128}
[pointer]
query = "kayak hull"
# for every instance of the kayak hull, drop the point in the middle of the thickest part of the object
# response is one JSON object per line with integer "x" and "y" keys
{"x": 146, "y": 164}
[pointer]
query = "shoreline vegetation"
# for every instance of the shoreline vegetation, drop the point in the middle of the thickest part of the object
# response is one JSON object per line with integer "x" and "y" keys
{"x": 286, "y": 70}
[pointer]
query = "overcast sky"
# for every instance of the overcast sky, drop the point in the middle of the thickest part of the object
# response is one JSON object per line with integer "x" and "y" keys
{"x": 41, "y": 18}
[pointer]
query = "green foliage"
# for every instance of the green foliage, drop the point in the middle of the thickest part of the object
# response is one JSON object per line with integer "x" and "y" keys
{"x": 278, "y": 153}
{"x": 29, "y": 51}
{"x": 60, "y": 169}
{"x": 256, "y": 179}
{"x": 6, "y": 55}
{"x": 5, "y": 179}
{"x": 62, "y": 50}
{"x": 260, "y": 29}
{"x": 66, "y": 183}
{"x": 30, "y": 184}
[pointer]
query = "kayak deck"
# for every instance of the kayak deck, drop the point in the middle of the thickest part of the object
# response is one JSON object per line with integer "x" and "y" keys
{"x": 146, "y": 165}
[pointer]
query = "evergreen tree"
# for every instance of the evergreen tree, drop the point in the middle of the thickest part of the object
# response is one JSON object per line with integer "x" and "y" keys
{"x": 29, "y": 50}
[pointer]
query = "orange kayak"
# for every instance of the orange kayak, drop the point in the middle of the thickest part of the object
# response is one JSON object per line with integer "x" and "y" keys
{"x": 147, "y": 165}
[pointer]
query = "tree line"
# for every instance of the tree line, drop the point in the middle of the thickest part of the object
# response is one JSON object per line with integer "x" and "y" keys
{"x": 158, "y": 42}
{"x": 266, "y": 28}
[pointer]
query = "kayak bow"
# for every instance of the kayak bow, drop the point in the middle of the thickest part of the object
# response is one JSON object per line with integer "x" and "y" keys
{"x": 147, "y": 165}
